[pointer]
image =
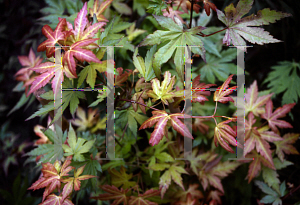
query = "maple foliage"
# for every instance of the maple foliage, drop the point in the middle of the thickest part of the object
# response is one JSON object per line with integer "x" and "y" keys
{"x": 258, "y": 138}
{"x": 224, "y": 131}
{"x": 222, "y": 91}
{"x": 164, "y": 91}
{"x": 160, "y": 118}
{"x": 53, "y": 37}
{"x": 237, "y": 27}
{"x": 278, "y": 113}
{"x": 99, "y": 9}
{"x": 254, "y": 103}
{"x": 285, "y": 145}
{"x": 25, "y": 73}
{"x": 118, "y": 195}
{"x": 140, "y": 84}
{"x": 51, "y": 178}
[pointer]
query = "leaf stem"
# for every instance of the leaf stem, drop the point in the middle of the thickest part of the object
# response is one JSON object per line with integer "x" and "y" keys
{"x": 179, "y": 5}
{"x": 215, "y": 108}
{"x": 290, "y": 193}
{"x": 132, "y": 101}
{"x": 204, "y": 35}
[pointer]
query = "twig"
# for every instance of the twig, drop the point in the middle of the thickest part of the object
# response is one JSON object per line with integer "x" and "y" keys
{"x": 290, "y": 193}
{"x": 132, "y": 101}
{"x": 204, "y": 35}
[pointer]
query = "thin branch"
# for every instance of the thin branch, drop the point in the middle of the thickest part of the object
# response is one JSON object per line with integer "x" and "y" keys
{"x": 179, "y": 5}
{"x": 215, "y": 108}
{"x": 132, "y": 101}
{"x": 290, "y": 193}
{"x": 204, "y": 35}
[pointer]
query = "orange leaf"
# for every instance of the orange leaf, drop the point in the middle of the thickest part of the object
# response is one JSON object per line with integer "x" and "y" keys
{"x": 223, "y": 91}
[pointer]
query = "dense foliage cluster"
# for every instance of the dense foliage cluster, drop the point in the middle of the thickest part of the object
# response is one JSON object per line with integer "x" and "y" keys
{"x": 150, "y": 101}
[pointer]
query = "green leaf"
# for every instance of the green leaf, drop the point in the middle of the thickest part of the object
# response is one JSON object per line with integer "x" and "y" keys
{"x": 268, "y": 199}
{"x": 282, "y": 189}
{"x": 280, "y": 165}
{"x": 20, "y": 103}
{"x": 219, "y": 67}
{"x": 237, "y": 27}
{"x": 174, "y": 37}
{"x": 77, "y": 146}
{"x": 145, "y": 68}
{"x": 90, "y": 72}
{"x": 131, "y": 117}
{"x": 53, "y": 151}
{"x": 270, "y": 176}
{"x": 284, "y": 79}
{"x": 156, "y": 7}
{"x": 265, "y": 188}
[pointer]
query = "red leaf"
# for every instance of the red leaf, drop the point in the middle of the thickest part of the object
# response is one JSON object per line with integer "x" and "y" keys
{"x": 253, "y": 102}
{"x": 222, "y": 91}
{"x": 224, "y": 131}
{"x": 285, "y": 146}
{"x": 52, "y": 37}
{"x": 160, "y": 118}
{"x": 114, "y": 193}
{"x": 278, "y": 113}
{"x": 141, "y": 198}
{"x": 199, "y": 90}
{"x": 80, "y": 54}
{"x": 208, "y": 5}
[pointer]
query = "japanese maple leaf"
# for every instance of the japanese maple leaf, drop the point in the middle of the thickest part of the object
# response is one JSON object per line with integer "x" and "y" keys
{"x": 49, "y": 70}
{"x": 39, "y": 132}
{"x": 25, "y": 73}
{"x": 83, "y": 29}
{"x": 285, "y": 146}
{"x": 199, "y": 90}
{"x": 53, "y": 37}
{"x": 215, "y": 195}
{"x": 208, "y": 5}
{"x": 253, "y": 102}
{"x": 172, "y": 13}
{"x": 141, "y": 198}
{"x": 119, "y": 196}
{"x": 255, "y": 165}
{"x": 186, "y": 5}
{"x": 99, "y": 9}
{"x": 237, "y": 27}
{"x": 51, "y": 178}
{"x": 173, "y": 172}
{"x": 223, "y": 91}
{"x": 53, "y": 199}
{"x": 214, "y": 170}
{"x": 175, "y": 35}
{"x": 84, "y": 122}
{"x": 189, "y": 201}
{"x": 121, "y": 178}
{"x": 74, "y": 182}
{"x": 160, "y": 118}
{"x": 199, "y": 125}
{"x": 278, "y": 113}
{"x": 193, "y": 191}
{"x": 122, "y": 77}
{"x": 80, "y": 54}
{"x": 164, "y": 91}
{"x": 258, "y": 138}
{"x": 225, "y": 132}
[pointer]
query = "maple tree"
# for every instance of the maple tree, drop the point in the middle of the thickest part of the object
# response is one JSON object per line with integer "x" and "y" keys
{"x": 148, "y": 88}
